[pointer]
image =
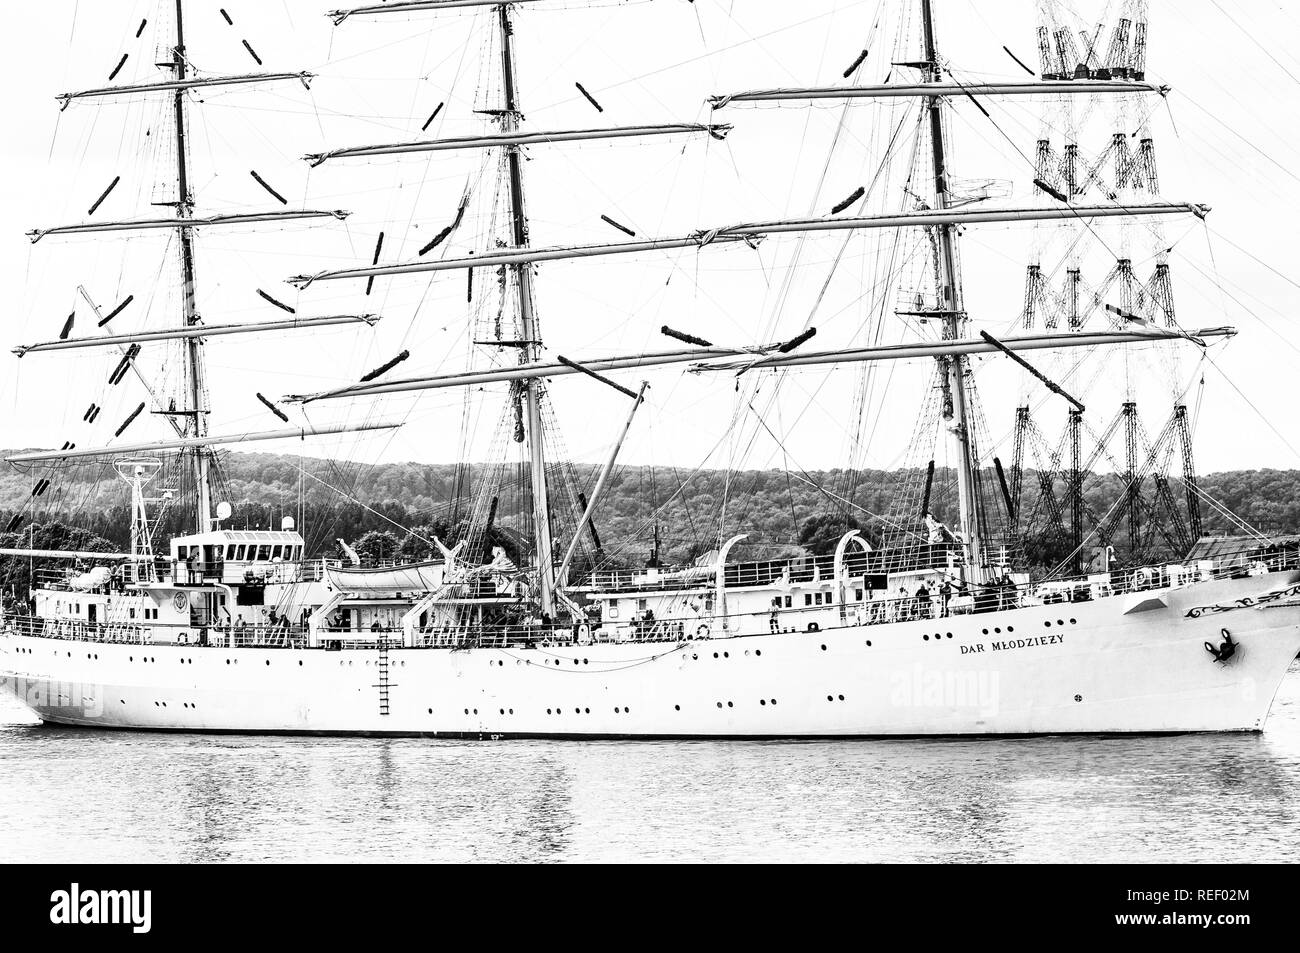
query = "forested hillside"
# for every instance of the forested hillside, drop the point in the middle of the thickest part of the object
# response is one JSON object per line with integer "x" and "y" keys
{"x": 779, "y": 510}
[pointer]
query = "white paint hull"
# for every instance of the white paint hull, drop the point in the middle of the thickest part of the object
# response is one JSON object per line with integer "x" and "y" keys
{"x": 1093, "y": 667}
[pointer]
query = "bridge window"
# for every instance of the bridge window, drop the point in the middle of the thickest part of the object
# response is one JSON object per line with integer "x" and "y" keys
{"x": 230, "y": 551}
{"x": 264, "y": 552}
{"x": 182, "y": 552}
{"x": 275, "y": 552}
{"x": 789, "y": 601}
{"x": 807, "y": 598}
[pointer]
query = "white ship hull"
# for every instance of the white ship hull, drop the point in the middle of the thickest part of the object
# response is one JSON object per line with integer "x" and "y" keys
{"x": 1133, "y": 663}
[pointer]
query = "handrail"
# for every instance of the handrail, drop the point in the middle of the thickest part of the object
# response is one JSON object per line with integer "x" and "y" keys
{"x": 935, "y": 604}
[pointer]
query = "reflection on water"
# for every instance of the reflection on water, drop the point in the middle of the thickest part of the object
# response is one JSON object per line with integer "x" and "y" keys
{"x": 72, "y": 795}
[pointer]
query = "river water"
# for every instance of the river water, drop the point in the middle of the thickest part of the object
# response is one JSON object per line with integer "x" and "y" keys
{"x": 86, "y": 796}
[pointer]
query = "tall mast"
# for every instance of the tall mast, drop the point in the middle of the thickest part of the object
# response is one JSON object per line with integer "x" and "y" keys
{"x": 195, "y": 413}
{"x": 530, "y": 349}
{"x": 950, "y": 304}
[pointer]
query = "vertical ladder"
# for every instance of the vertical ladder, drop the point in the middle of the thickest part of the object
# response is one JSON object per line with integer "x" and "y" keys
{"x": 383, "y": 684}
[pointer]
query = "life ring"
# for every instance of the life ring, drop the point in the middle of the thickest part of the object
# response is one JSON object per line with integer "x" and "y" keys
{"x": 180, "y": 601}
{"x": 814, "y": 627}
{"x": 1142, "y": 579}
{"x": 584, "y": 634}
{"x": 702, "y": 632}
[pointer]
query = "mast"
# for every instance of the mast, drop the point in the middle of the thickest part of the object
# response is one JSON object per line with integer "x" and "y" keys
{"x": 950, "y": 304}
{"x": 530, "y": 348}
{"x": 196, "y": 415}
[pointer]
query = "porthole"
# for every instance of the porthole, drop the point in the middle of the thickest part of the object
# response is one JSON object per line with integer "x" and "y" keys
{"x": 268, "y": 661}
{"x": 476, "y": 711}
{"x": 586, "y": 711}
{"x": 694, "y": 656}
{"x": 841, "y": 698}
{"x": 467, "y": 711}
{"x": 430, "y": 711}
{"x": 677, "y": 708}
{"x": 926, "y": 638}
{"x": 300, "y": 662}
{"x": 823, "y": 648}
{"x": 729, "y": 705}
{"x": 950, "y": 635}
{"x": 773, "y": 701}
{"x": 548, "y": 711}
{"x": 758, "y": 651}
{"x": 830, "y": 698}
{"x": 1048, "y": 623}
{"x": 1072, "y": 622}
{"x": 719, "y": 704}
{"x": 998, "y": 630}
{"x": 762, "y": 701}
{"x": 510, "y": 711}
{"x": 502, "y": 711}
{"x": 1011, "y": 628}
{"x": 715, "y": 654}
{"x": 868, "y": 643}
{"x": 984, "y": 631}
{"x": 1060, "y": 622}
{"x": 726, "y": 655}
{"x": 577, "y": 711}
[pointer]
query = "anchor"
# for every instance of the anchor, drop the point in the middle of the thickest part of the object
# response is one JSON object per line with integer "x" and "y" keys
{"x": 1226, "y": 650}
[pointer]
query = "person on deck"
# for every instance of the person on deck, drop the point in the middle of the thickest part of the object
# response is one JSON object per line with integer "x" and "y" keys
{"x": 923, "y": 602}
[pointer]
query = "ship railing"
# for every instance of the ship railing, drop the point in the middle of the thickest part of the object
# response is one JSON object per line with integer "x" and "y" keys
{"x": 76, "y": 630}
{"x": 146, "y": 633}
{"x": 259, "y": 636}
{"x": 927, "y": 602}
{"x": 821, "y": 568}
{"x": 65, "y": 580}
{"x": 313, "y": 570}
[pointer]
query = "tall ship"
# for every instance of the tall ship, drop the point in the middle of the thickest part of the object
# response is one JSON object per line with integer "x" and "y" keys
{"x": 944, "y": 615}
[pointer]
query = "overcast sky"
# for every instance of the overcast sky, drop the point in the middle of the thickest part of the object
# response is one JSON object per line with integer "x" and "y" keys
{"x": 1225, "y": 136}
